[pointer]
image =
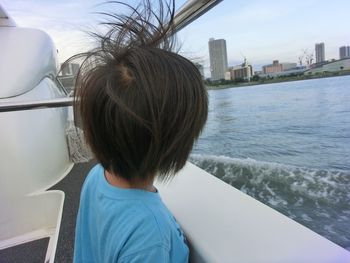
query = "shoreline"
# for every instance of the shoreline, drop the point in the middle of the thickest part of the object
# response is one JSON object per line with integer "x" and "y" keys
{"x": 271, "y": 81}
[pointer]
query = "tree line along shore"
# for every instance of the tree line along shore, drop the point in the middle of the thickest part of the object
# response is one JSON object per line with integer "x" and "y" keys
{"x": 256, "y": 80}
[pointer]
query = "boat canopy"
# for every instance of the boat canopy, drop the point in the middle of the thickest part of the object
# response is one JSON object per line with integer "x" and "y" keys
{"x": 27, "y": 55}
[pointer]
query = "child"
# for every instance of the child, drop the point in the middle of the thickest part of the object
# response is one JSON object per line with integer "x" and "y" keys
{"x": 141, "y": 107}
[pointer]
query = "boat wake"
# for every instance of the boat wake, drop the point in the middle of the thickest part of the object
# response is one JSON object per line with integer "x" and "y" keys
{"x": 318, "y": 199}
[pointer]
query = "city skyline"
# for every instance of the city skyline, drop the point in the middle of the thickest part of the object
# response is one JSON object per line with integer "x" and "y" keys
{"x": 260, "y": 31}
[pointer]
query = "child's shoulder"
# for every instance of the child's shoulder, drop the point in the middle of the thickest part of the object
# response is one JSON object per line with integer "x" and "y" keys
{"x": 152, "y": 229}
{"x": 93, "y": 176}
{"x": 95, "y": 171}
{"x": 145, "y": 228}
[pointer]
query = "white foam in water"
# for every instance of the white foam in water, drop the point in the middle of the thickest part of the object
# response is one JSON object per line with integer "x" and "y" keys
{"x": 306, "y": 217}
{"x": 319, "y": 199}
{"x": 317, "y": 183}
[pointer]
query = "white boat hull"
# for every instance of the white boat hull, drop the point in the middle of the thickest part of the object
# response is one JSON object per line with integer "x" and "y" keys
{"x": 226, "y": 225}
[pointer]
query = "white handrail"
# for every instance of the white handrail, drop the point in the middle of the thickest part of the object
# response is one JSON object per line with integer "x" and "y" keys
{"x": 191, "y": 10}
{"x": 32, "y": 105}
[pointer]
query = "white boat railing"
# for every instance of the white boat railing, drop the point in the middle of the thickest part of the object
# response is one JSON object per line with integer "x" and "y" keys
{"x": 191, "y": 10}
{"x": 32, "y": 105}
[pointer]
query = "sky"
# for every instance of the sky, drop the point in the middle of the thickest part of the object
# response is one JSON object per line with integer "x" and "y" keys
{"x": 258, "y": 30}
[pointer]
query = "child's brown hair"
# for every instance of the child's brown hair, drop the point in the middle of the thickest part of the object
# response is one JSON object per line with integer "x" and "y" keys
{"x": 141, "y": 105}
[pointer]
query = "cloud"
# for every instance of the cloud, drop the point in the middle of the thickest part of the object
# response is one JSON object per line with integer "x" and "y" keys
{"x": 260, "y": 30}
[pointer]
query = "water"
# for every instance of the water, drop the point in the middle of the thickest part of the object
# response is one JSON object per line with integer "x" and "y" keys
{"x": 287, "y": 145}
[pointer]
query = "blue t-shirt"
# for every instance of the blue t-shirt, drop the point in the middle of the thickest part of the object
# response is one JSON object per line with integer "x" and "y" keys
{"x": 125, "y": 225}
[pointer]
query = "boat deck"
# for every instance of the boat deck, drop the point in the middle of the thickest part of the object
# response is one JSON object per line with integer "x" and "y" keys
{"x": 31, "y": 252}
{"x": 71, "y": 186}
{"x": 35, "y": 251}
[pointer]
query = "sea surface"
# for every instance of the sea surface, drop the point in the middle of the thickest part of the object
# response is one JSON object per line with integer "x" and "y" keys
{"x": 287, "y": 145}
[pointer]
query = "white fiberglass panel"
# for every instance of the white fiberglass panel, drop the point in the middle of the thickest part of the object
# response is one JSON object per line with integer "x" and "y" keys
{"x": 27, "y": 56}
{"x": 33, "y": 143}
{"x": 226, "y": 225}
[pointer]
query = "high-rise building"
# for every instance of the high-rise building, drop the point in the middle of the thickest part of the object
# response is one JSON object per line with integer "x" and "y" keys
{"x": 276, "y": 67}
{"x": 241, "y": 72}
{"x": 344, "y": 52}
{"x": 218, "y": 58}
{"x": 272, "y": 68}
{"x": 320, "y": 54}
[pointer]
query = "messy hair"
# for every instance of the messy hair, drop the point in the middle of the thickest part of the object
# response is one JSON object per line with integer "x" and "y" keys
{"x": 141, "y": 105}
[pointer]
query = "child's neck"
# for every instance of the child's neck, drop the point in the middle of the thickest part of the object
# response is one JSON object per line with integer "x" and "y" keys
{"x": 120, "y": 182}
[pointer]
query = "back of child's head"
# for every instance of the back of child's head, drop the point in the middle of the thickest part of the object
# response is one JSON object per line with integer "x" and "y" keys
{"x": 141, "y": 105}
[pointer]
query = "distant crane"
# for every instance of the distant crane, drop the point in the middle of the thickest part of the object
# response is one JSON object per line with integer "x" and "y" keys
{"x": 309, "y": 57}
{"x": 244, "y": 58}
{"x": 300, "y": 59}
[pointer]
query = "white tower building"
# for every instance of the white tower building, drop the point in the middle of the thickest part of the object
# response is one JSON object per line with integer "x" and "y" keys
{"x": 218, "y": 58}
{"x": 320, "y": 53}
